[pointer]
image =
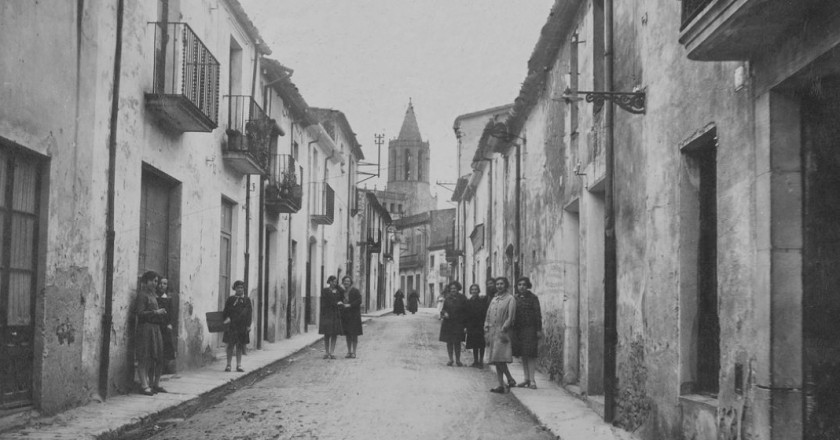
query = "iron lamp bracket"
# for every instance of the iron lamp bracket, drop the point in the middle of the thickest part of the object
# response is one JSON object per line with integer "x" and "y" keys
{"x": 633, "y": 102}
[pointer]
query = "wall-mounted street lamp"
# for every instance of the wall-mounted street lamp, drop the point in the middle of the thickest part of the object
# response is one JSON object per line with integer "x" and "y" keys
{"x": 633, "y": 102}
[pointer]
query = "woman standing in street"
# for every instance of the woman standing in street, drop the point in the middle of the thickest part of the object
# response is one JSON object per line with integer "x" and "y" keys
{"x": 329, "y": 324}
{"x": 413, "y": 300}
{"x": 165, "y": 302}
{"x": 238, "y": 318}
{"x": 399, "y": 303}
{"x": 452, "y": 313}
{"x": 476, "y": 312}
{"x": 527, "y": 330}
{"x": 351, "y": 315}
{"x": 497, "y": 329}
{"x": 149, "y": 343}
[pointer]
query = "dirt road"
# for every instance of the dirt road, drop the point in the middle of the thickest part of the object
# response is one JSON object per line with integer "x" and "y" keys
{"x": 398, "y": 387}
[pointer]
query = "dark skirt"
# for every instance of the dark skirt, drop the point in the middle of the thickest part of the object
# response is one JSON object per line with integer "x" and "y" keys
{"x": 525, "y": 342}
{"x": 240, "y": 336}
{"x": 351, "y": 322}
{"x": 168, "y": 343}
{"x": 149, "y": 342}
{"x": 399, "y": 307}
{"x": 452, "y": 331}
{"x": 330, "y": 323}
{"x": 475, "y": 339}
{"x": 412, "y": 304}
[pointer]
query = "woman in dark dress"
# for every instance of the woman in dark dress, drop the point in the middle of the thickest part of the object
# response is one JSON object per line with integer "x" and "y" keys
{"x": 399, "y": 305}
{"x": 476, "y": 312}
{"x": 237, "y": 314}
{"x": 149, "y": 343}
{"x": 330, "y": 323}
{"x": 527, "y": 330}
{"x": 413, "y": 299}
{"x": 452, "y": 316}
{"x": 351, "y": 315}
{"x": 165, "y": 301}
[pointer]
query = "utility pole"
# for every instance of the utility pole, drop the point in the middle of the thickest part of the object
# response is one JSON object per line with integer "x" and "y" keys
{"x": 378, "y": 139}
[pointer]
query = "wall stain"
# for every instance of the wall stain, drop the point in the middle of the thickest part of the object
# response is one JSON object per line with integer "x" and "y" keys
{"x": 65, "y": 333}
{"x": 551, "y": 347}
{"x": 632, "y": 403}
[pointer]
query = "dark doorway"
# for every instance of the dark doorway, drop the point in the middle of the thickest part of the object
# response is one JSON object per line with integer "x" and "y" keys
{"x": 821, "y": 258}
{"x": 20, "y": 186}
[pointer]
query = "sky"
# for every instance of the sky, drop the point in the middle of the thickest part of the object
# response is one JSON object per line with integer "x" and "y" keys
{"x": 367, "y": 58}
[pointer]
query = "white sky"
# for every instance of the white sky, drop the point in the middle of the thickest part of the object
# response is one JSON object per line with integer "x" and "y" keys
{"x": 367, "y": 57}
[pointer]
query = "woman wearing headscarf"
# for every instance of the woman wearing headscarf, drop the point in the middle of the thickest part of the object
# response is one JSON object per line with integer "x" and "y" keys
{"x": 452, "y": 315}
{"x": 497, "y": 329}
{"x": 399, "y": 303}
{"x": 351, "y": 315}
{"x": 329, "y": 323}
{"x": 476, "y": 312}
{"x": 238, "y": 316}
{"x": 527, "y": 330}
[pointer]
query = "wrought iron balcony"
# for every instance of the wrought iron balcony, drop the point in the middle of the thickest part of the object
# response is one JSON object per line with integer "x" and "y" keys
{"x": 249, "y": 134}
{"x": 185, "y": 84}
{"x": 323, "y": 203}
{"x": 284, "y": 193}
{"x": 411, "y": 261}
{"x": 374, "y": 245}
{"x": 738, "y": 30}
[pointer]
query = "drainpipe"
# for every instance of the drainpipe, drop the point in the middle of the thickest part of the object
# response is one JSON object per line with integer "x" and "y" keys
{"x": 110, "y": 234}
{"x": 518, "y": 268}
{"x": 610, "y": 263}
{"x": 289, "y": 245}
{"x": 246, "y": 275}
{"x": 262, "y": 293}
{"x": 490, "y": 226}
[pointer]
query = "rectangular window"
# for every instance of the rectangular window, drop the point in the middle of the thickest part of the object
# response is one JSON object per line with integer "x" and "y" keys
{"x": 699, "y": 321}
{"x": 225, "y": 245}
{"x": 431, "y": 261}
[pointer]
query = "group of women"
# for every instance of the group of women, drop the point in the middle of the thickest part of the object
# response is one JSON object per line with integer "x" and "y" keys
{"x": 341, "y": 314}
{"x": 501, "y": 323}
{"x": 154, "y": 347}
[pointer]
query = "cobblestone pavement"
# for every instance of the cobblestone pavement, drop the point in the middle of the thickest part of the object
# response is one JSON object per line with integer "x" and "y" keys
{"x": 397, "y": 388}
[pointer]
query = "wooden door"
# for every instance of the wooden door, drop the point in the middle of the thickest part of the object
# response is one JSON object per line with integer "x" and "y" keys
{"x": 19, "y": 190}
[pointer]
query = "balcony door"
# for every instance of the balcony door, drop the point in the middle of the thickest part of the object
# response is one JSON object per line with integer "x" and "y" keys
{"x": 20, "y": 177}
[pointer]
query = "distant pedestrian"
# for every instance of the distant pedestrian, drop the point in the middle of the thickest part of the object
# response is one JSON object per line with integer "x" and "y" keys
{"x": 497, "y": 328}
{"x": 351, "y": 315}
{"x": 399, "y": 303}
{"x": 453, "y": 314}
{"x": 476, "y": 312}
{"x": 149, "y": 343}
{"x": 329, "y": 323}
{"x": 238, "y": 316}
{"x": 413, "y": 300}
{"x": 527, "y": 330}
{"x": 167, "y": 320}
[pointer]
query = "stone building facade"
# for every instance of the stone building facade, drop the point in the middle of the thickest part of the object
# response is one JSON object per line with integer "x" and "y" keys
{"x": 707, "y": 209}
{"x": 158, "y": 136}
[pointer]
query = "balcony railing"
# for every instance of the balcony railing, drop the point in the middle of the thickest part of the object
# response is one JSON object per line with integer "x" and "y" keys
{"x": 690, "y": 9}
{"x": 374, "y": 241}
{"x": 185, "y": 84}
{"x": 323, "y": 203}
{"x": 249, "y": 134}
{"x": 284, "y": 193}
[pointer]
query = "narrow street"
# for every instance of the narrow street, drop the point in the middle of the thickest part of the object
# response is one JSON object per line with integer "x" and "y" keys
{"x": 398, "y": 388}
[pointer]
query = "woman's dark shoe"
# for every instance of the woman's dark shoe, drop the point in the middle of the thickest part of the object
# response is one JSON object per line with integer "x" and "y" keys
{"x": 159, "y": 389}
{"x": 511, "y": 383}
{"x": 352, "y": 355}
{"x": 458, "y": 363}
{"x": 500, "y": 390}
{"x": 326, "y": 356}
{"x": 332, "y": 357}
{"x": 449, "y": 364}
{"x": 525, "y": 384}
{"x": 532, "y": 385}
{"x": 349, "y": 355}
{"x": 227, "y": 369}
{"x": 240, "y": 370}
{"x": 147, "y": 391}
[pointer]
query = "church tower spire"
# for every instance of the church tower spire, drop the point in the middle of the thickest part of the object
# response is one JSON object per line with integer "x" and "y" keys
{"x": 408, "y": 165}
